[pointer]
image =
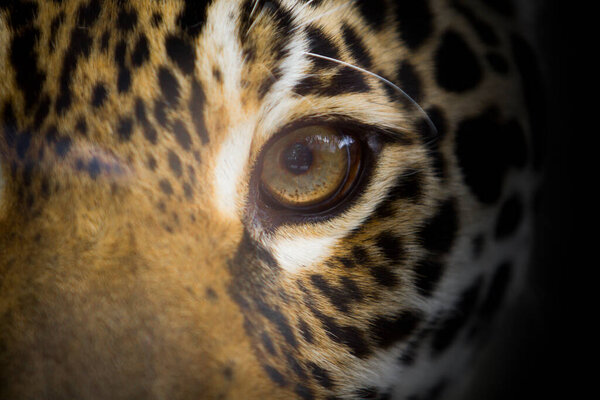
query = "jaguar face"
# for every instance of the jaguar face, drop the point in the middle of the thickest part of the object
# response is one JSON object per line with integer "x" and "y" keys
{"x": 259, "y": 199}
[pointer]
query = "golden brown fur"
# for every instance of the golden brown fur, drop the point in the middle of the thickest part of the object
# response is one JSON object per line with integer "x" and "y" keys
{"x": 127, "y": 272}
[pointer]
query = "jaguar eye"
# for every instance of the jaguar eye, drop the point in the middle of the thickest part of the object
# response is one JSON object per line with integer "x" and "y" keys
{"x": 311, "y": 168}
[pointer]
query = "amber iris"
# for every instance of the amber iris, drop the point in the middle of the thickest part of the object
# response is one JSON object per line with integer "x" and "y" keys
{"x": 310, "y": 167}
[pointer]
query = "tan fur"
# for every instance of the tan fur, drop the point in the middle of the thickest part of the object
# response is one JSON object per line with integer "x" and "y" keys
{"x": 110, "y": 288}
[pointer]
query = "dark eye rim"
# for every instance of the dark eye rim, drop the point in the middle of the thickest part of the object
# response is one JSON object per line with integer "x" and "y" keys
{"x": 270, "y": 214}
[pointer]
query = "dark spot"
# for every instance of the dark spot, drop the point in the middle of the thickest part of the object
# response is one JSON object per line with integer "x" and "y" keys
{"x": 279, "y": 320}
{"x": 460, "y": 314}
{"x": 125, "y": 128}
{"x": 304, "y": 392}
{"x": 165, "y": 187}
{"x": 94, "y": 168}
{"x": 457, "y": 68}
{"x": 182, "y": 136}
{"x": 127, "y": 20}
{"x": 346, "y": 80}
{"x": 188, "y": 192}
{"x": 228, "y": 373}
{"x": 498, "y": 62}
{"x": 42, "y": 111}
{"x": 427, "y": 275}
{"x": 81, "y": 126}
{"x": 156, "y": 19}
{"x": 140, "y": 114}
{"x": 409, "y": 81}
{"x": 486, "y": 148}
{"x": 295, "y": 366}
{"x": 384, "y": 276}
{"x": 373, "y": 11}
{"x": 309, "y": 84}
{"x": 22, "y": 145}
{"x": 88, "y": 14}
{"x": 196, "y": 108}
{"x": 355, "y": 45}
{"x": 181, "y": 53}
{"x": 9, "y": 124}
{"x": 104, "y": 41}
{"x": 346, "y": 262}
{"x": 349, "y": 336}
{"x": 415, "y": 22}
{"x": 24, "y": 60}
{"x": 168, "y": 86}
{"x": 283, "y": 21}
{"x": 275, "y": 375}
{"x": 124, "y": 80}
{"x": 320, "y": 375}
{"x": 386, "y": 332}
{"x": 509, "y": 218}
{"x": 407, "y": 186}
{"x": 351, "y": 288}
{"x": 193, "y": 17}
{"x": 62, "y": 146}
{"x": 438, "y": 234}
{"x": 339, "y": 298}
{"x": 120, "y": 53}
{"x": 268, "y": 343}
{"x": 141, "y": 52}
{"x": 305, "y": 331}
{"x": 151, "y": 163}
{"x": 51, "y": 134}
{"x": 99, "y": 95}
{"x": 160, "y": 112}
{"x": 320, "y": 43}
{"x": 217, "y": 74}
{"x": 390, "y": 245}
{"x": 175, "y": 163}
{"x": 21, "y": 13}
{"x": 360, "y": 254}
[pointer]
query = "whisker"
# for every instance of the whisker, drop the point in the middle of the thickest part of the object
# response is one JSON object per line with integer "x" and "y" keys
{"x": 402, "y": 92}
{"x": 250, "y": 17}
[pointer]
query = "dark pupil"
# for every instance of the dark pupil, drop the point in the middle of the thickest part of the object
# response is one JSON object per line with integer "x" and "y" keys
{"x": 297, "y": 158}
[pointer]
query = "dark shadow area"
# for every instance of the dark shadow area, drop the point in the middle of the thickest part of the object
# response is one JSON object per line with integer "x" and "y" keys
{"x": 529, "y": 361}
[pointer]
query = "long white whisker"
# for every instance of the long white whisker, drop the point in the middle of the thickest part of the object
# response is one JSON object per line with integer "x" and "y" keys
{"x": 250, "y": 17}
{"x": 402, "y": 92}
{"x": 253, "y": 9}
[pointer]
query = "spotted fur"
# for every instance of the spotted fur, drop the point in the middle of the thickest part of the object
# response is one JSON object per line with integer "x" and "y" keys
{"x": 134, "y": 261}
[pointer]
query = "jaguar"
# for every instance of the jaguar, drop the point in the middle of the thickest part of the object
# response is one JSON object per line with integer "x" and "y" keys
{"x": 250, "y": 199}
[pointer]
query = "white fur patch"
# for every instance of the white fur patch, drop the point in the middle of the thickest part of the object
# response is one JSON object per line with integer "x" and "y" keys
{"x": 295, "y": 253}
{"x": 230, "y": 168}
